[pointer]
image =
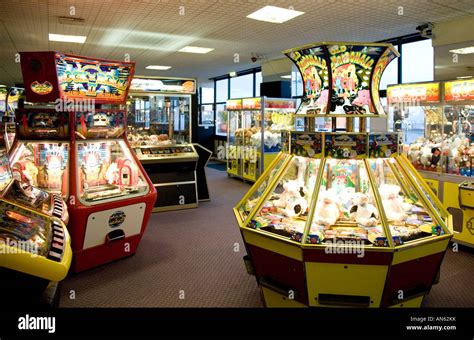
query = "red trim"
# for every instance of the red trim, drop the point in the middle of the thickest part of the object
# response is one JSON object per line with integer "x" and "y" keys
{"x": 93, "y": 257}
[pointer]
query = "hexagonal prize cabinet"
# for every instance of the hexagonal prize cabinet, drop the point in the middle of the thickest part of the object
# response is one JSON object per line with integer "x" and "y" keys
{"x": 342, "y": 218}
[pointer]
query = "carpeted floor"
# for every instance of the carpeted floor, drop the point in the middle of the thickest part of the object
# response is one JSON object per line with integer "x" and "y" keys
{"x": 187, "y": 259}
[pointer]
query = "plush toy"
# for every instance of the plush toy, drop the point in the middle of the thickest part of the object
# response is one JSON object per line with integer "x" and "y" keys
{"x": 393, "y": 205}
{"x": 293, "y": 199}
{"x": 328, "y": 209}
{"x": 346, "y": 196}
{"x": 363, "y": 212}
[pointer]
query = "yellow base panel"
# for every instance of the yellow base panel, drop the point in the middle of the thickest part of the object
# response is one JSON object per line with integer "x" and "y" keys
{"x": 408, "y": 253}
{"x": 345, "y": 279}
{"x": 466, "y": 236}
{"x": 280, "y": 247}
{"x": 277, "y": 300}
{"x": 413, "y": 303}
{"x": 36, "y": 265}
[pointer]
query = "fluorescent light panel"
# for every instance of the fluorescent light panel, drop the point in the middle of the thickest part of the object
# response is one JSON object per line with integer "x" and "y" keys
{"x": 196, "y": 49}
{"x": 80, "y": 39}
{"x": 157, "y": 67}
{"x": 286, "y": 77}
{"x": 464, "y": 77}
{"x": 464, "y": 50}
{"x": 274, "y": 14}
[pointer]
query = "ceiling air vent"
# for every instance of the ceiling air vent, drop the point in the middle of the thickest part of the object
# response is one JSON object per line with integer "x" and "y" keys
{"x": 71, "y": 21}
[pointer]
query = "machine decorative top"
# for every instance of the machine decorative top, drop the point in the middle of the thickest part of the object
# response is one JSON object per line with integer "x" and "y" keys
{"x": 341, "y": 78}
{"x": 49, "y": 76}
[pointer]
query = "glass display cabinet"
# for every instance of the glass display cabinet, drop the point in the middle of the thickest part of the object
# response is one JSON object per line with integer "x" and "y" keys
{"x": 254, "y": 133}
{"x": 159, "y": 131}
{"x": 342, "y": 218}
{"x": 442, "y": 149}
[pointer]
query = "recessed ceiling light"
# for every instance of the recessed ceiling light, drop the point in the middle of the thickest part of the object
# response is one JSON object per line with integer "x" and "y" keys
{"x": 286, "y": 77}
{"x": 157, "y": 67}
{"x": 80, "y": 39}
{"x": 464, "y": 77}
{"x": 464, "y": 50}
{"x": 274, "y": 14}
{"x": 195, "y": 49}
{"x": 232, "y": 74}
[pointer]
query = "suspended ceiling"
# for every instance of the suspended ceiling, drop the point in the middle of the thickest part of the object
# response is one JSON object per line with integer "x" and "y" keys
{"x": 151, "y": 31}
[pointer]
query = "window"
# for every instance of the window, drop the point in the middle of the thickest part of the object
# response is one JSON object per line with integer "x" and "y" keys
{"x": 258, "y": 81}
{"x": 222, "y": 88}
{"x": 242, "y": 86}
{"x": 207, "y": 95}
{"x": 390, "y": 75}
{"x": 221, "y": 120}
{"x": 417, "y": 61}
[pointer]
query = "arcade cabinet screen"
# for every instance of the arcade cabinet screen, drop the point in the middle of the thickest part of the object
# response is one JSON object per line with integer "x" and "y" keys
{"x": 107, "y": 171}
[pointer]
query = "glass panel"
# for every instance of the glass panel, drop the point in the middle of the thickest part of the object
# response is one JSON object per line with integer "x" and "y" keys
{"x": 258, "y": 81}
{"x": 207, "y": 95}
{"x": 407, "y": 216}
{"x": 222, "y": 87}
{"x": 221, "y": 120}
{"x": 24, "y": 230}
{"x": 346, "y": 211}
{"x": 242, "y": 86}
{"x": 207, "y": 115}
{"x": 42, "y": 164}
{"x": 159, "y": 120}
{"x": 257, "y": 191}
{"x": 5, "y": 173}
{"x": 285, "y": 210}
{"x": 417, "y": 61}
{"x": 107, "y": 171}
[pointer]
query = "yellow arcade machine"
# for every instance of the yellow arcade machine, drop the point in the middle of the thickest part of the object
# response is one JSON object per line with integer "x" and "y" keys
{"x": 35, "y": 252}
{"x": 254, "y": 133}
{"x": 443, "y": 148}
{"x": 342, "y": 218}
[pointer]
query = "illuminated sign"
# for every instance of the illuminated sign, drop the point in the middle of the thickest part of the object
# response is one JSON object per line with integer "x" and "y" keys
{"x": 234, "y": 104}
{"x": 414, "y": 93}
{"x": 163, "y": 85}
{"x": 252, "y": 103}
{"x": 459, "y": 90}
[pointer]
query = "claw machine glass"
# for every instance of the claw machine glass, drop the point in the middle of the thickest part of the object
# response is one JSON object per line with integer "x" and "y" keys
{"x": 34, "y": 243}
{"x": 254, "y": 137}
{"x": 78, "y": 147}
{"x": 444, "y": 150}
{"x": 160, "y": 134}
{"x": 342, "y": 218}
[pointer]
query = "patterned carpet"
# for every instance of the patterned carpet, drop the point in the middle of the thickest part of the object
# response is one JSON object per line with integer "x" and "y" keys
{"x": 187, "y": 259}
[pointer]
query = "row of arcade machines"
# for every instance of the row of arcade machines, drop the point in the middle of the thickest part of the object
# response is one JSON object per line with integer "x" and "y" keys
{"x": 67, "y": 143}
{"x": 342, "y": 219}
{"x": 437, "y": 121}
{"x": 254, "y": 133}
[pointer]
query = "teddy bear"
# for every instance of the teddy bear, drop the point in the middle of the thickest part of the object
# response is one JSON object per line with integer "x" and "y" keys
{"x": 292, "y": 200}
{"x": 394, "y": 206}
{"x": 328, "y": 209}
{"x": 363, "y": 212}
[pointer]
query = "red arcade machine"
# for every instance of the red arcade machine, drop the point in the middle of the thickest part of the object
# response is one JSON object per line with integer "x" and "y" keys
{"x": 109, "y": 195}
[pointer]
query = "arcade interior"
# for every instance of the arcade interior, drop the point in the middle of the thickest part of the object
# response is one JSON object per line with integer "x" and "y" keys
{"x": 237, "y": 153}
